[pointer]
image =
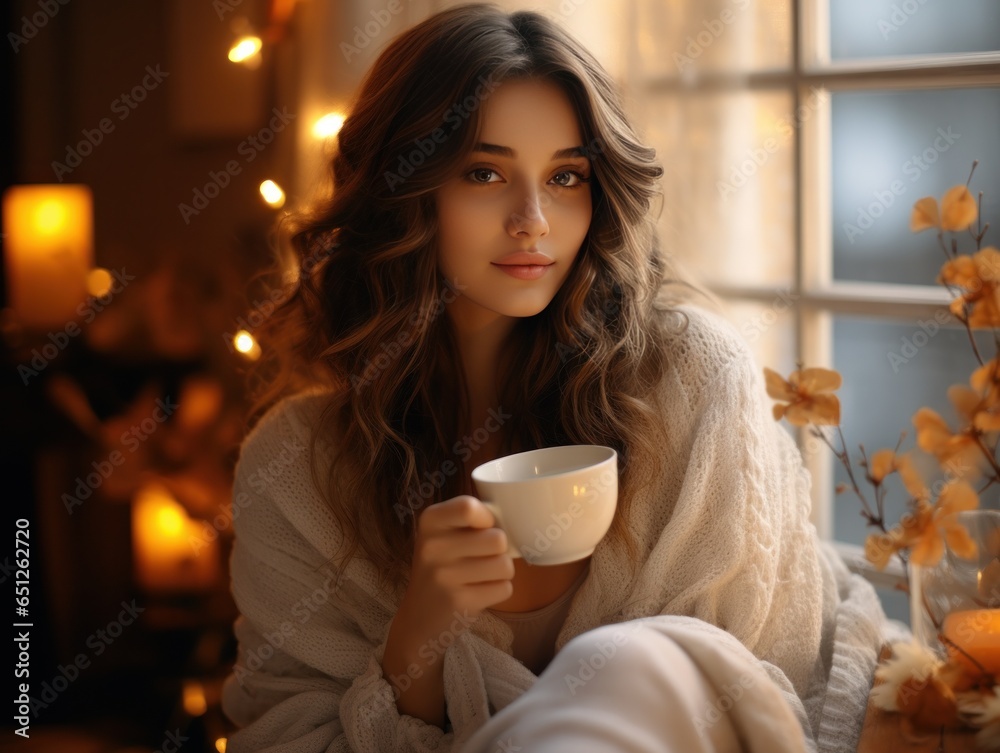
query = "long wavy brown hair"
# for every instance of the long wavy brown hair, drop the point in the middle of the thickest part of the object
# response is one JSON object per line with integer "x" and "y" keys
{"x": 362, "y": 317}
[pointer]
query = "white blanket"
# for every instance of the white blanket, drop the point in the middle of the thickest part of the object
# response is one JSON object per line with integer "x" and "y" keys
{"x": 724, "y": 534}
{"x": 647, "y": 686}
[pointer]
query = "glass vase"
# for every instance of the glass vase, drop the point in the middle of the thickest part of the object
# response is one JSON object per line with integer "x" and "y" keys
{"x": 959, "y": 597}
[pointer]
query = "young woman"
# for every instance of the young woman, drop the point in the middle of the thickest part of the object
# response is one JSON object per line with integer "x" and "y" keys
{"x": 484, "y": 279}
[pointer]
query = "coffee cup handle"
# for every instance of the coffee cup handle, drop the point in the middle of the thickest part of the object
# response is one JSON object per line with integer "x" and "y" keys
{"x": 511, "y": 549}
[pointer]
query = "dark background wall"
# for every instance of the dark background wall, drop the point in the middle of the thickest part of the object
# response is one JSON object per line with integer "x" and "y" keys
{"x": 163, "y": 336}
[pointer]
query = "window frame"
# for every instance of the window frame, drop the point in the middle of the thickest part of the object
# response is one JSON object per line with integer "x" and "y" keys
{"x": 819, "y": 296}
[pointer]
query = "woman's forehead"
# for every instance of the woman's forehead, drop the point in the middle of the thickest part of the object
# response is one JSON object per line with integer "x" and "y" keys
{"x": 529, "y": 118}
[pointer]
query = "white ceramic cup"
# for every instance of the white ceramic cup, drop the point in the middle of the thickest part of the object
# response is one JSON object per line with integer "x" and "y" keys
{"x": 555, "y": 504}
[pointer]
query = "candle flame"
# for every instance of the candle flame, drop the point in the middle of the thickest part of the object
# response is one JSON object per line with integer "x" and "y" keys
{"x": 50, "y": 217}
{"x": 170, "y": 521}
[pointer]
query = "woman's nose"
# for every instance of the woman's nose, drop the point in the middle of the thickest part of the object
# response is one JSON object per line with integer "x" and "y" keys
{"x": 529, "y": 217}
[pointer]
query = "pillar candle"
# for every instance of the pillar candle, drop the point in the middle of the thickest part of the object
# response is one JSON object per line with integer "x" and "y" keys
{"x": 977, "y": 632}
{"x": 48, "y": 250}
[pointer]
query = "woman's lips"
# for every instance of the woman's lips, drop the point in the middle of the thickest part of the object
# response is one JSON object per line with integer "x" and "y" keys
{"x": 524, "y": 271}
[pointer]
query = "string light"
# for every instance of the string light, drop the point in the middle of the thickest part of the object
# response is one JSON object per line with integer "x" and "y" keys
{"x": 98, "y": 282}
{"x": 245, "y": 48}
{"x": 272, "y": 194}
{"x": 245, "y": 343}
{"x": 328, "y": 126}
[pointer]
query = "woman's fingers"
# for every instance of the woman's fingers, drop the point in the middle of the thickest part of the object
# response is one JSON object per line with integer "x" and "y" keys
{"x": 464, "y": 511}
{"x": 456, "y": 544}
{"x": 477, "y": 570}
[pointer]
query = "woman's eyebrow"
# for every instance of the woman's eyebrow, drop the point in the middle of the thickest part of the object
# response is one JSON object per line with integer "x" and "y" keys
{"x": 506, "y": 151}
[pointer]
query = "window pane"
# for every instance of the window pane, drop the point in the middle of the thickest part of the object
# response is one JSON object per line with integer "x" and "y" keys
{"x": 891, "y": 148}
{"x": 892, "y": 28}
{"x": 891, "y": 369}
{"x": 728, "y": 209}
{"x": 679, "y": 36}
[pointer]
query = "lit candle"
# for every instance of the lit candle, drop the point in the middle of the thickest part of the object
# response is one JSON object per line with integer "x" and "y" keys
{"x": 977, "y": 632}
{"x": 172, "y": 552}
{"x": 48, "y": 252}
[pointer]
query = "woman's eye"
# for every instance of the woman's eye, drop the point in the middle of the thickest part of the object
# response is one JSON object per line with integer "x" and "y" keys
{"x": 580, "y": 180}
{"x": 478, "y": 172}
{"x": 563, "y": 179}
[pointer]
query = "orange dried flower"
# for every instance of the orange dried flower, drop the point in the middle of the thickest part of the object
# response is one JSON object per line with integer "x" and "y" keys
{"x": 807, "y": 393}
{"x": 957, "y": 452}
{"x": 926, "y": 530}
{"x": 986, "y": 382}
{"x": 886, "y": 461}
{"x": 925, "y": 214}
{"x": 958, "y": 211}
{"x": 979, "y": 276}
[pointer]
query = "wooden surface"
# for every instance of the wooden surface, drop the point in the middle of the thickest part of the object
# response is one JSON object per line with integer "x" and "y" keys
{"x": 883, "y": 732}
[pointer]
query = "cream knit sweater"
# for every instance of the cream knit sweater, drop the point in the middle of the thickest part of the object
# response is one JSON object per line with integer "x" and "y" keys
{"x": 725, "y": 536}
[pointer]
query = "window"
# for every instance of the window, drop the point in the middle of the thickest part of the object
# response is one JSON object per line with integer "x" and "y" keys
{"x": 796, "y": 135}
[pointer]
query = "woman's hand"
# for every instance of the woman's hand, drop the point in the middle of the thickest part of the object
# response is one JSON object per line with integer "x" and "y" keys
{"x": 460, "y": 566}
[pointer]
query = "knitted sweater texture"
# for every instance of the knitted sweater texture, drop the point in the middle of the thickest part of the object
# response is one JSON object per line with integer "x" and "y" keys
{"x": 724, "y": 535}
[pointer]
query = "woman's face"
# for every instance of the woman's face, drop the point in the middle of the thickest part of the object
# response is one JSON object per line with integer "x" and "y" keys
{"x": 516, "y": 193}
